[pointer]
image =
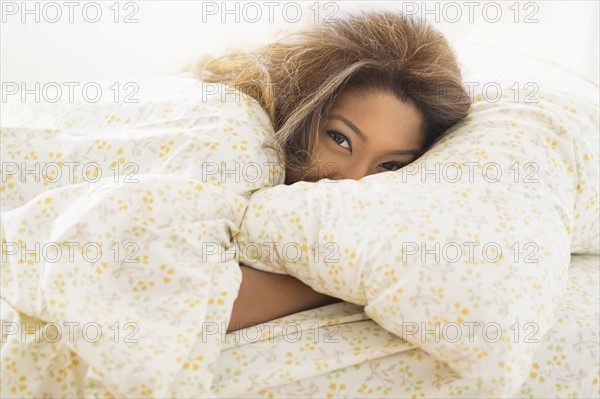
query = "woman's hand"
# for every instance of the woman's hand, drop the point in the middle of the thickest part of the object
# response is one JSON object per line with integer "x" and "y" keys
{"x": 265, "y": 296}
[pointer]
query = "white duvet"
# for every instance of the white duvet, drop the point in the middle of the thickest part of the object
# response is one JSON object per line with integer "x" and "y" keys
{"x": 123, "y": 242}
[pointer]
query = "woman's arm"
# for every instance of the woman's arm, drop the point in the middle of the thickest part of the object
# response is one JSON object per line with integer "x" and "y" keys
{"x": 265, "y": 296}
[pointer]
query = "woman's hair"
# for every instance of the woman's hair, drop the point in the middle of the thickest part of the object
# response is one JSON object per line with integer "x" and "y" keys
{"x": 296, "y": 79}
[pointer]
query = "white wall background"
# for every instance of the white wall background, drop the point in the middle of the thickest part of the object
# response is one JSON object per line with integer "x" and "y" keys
{"x": 170, "y": 34}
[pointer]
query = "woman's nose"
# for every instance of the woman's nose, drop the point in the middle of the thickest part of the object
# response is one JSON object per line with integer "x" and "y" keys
{"x": 354, "y": 172}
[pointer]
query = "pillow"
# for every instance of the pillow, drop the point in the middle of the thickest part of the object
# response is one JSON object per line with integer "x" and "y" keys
{"x": 464, "y": 252}
{"x": 485, "y": 65}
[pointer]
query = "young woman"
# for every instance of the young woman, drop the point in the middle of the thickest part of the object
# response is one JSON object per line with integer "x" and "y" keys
{"x": 366, "y": 94}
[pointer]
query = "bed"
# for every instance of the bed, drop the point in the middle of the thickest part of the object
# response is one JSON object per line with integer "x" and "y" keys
{"x": 351, "y": 356}
{"x": 161, "y": 298}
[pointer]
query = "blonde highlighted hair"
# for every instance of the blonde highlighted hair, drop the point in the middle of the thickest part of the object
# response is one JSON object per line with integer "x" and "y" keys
{"x": 297, "y": 78}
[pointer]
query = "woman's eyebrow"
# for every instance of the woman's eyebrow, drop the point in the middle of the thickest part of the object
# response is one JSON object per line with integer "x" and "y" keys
{"x": 352, "y": 126}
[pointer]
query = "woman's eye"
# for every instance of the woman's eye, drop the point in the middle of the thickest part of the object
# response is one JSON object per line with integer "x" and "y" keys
{"x": 392, "y": 166}
{"x": 340, "y": 139}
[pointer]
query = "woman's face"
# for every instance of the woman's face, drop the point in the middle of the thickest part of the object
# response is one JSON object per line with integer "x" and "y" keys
{"x": 364, "y": 134}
